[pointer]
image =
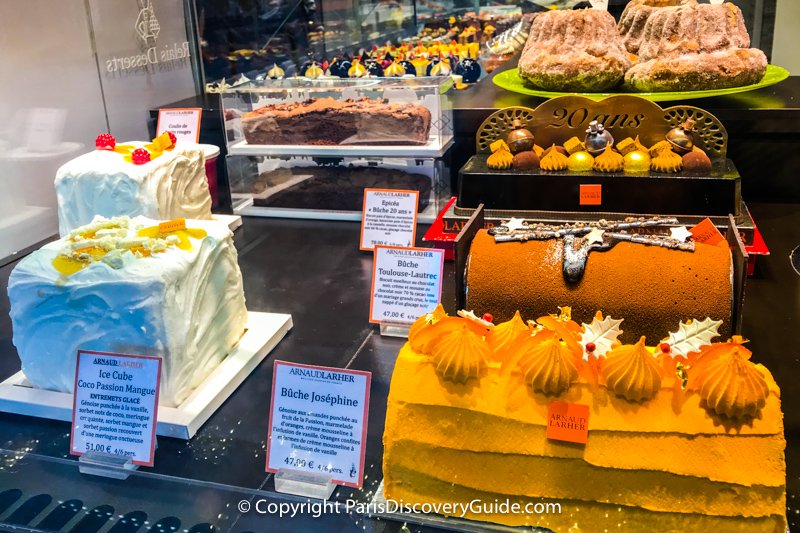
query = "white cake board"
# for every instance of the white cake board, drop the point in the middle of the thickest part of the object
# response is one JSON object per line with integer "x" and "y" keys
{"x": 264, "y": 331}
{"x": 248, "y": 209}
{"x": 435, "y": 147}
{"x": 233, "y": 222}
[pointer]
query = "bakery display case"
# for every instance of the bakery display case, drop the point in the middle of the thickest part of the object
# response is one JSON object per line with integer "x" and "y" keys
{"x": 372, "y": 116}
{"x": 243, "y": 38}
{"x": 330, "y": 187}
{"x": 312, "y": 146}
{"x": 557, "y": 235}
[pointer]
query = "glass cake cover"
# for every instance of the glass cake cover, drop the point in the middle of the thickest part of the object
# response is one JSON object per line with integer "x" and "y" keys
{"x": 334, "y": 116}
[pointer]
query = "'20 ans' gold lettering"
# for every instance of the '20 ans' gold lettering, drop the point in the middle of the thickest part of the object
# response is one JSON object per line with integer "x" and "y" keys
{"x": 563, "y": 117}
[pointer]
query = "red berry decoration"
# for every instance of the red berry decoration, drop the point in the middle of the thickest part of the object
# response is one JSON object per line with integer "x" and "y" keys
{"x": 488, "y": 317}
{"x": 140, "y": 156}
{"x": 105, "y": 141}
{"x": 664, "y": 347}
{"x": 172, "y": 138}
{"x": 590, "y": 347}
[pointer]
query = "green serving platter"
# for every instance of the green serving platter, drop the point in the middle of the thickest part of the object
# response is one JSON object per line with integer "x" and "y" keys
{"x": 510, "y": 80}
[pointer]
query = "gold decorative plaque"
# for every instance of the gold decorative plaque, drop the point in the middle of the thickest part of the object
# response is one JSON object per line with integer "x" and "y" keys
{"x": 558, "y": 119}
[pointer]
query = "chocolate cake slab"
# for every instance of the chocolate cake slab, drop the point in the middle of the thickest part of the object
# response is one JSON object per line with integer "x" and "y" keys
{"x": 333, "y": 188}
{"x": 326, "y": 121}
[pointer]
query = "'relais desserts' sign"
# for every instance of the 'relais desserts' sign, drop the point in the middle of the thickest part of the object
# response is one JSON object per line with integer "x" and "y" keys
{"x": 153, "y": 48}
{"x": 143, "y": 56}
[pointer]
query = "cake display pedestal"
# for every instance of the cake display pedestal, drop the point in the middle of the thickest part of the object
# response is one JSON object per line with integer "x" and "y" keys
{"x": 395, "y": 329}
{"x": 262, "y": 334}
{"x": 106, "y": 465}
{"x": 233, "y": 222}
{"x": 25, "y": 225}
{"x": 308, "y": 484}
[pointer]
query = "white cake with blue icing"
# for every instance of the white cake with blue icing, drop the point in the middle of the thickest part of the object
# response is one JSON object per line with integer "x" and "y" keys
{"x": 162, "y": 180}
{"x": 134, "y": 286}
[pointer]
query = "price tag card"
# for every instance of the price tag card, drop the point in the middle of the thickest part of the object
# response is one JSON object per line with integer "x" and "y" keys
{"x": 389, "y": 218}
{"x": 406, "y": 283}
{"x": 115, "y": 405}
{"x": 184, "y": 123}
{"x": 318, "y": 421}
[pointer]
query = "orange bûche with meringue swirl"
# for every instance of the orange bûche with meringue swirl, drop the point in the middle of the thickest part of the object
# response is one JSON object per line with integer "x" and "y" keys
{"x": 467, "y": 417}
{"x": 632, "y": 372}
{"x": 730, "y": 384}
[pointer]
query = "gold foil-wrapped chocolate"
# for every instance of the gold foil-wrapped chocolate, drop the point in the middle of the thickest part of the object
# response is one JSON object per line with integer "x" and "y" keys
{"x": 636, "y": 161}
{"x": 580, "y": 162}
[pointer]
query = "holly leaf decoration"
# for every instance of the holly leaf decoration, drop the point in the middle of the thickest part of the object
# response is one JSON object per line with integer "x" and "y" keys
{"x": 602, "y": 332}
{"x": 692, "y": 335}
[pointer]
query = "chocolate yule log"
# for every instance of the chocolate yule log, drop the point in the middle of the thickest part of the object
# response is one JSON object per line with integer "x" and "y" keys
{"x": 651, "y": 286}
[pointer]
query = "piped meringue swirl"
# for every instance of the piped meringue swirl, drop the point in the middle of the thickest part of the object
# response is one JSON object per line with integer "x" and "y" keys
{"x": 460, "y": 355}
{"x": 632, "y": 372}
{"x": 548, "y": 366}
{"x": 504, "y": 335}
{"x": 730, "y": 384}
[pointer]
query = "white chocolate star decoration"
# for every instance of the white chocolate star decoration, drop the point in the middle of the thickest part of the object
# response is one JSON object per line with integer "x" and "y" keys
{"x": 515, "y": 224}
{"x": 680, "y": 234}
{"x": 595, "y": 236}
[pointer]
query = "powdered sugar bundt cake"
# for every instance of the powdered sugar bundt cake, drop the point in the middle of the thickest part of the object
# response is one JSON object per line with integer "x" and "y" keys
{"x": 635, "y": 16}
{"x": 696, "y": 46}
{"x": 574, "y": 50}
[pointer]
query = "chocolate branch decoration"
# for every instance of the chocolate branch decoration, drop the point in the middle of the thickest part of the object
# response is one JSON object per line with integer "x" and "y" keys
{"x": 582, "y": 238}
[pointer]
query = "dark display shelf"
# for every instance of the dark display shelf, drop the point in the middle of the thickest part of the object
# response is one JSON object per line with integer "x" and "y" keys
{"x": 314, "y": 271}
{"x": 717, "y": 194}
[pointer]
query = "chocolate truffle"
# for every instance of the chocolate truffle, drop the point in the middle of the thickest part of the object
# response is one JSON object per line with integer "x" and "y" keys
{"x": 525, "y": 161}
{"x": 697, "y": 161}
